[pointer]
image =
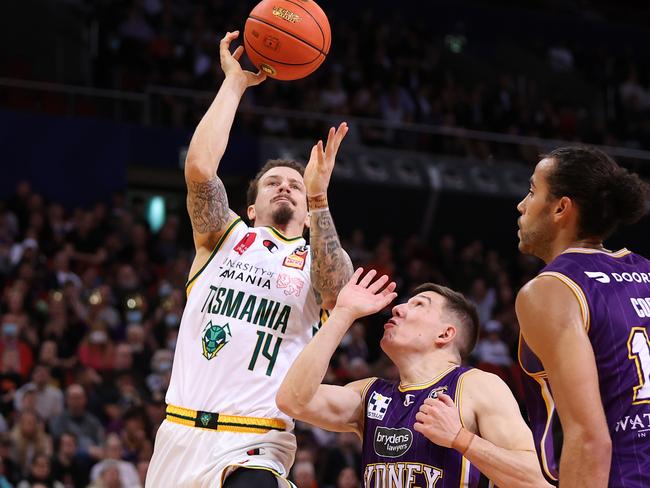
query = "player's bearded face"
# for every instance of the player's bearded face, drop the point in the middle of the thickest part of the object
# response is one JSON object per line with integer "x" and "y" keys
{"x": 282, "y": 214}
{"x": 535, "y": 224}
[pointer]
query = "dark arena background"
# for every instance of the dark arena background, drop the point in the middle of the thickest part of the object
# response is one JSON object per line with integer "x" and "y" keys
{"x": 449, "y": 104}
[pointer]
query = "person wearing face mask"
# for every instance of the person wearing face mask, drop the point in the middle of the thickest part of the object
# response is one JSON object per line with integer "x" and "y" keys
{"x": 15, "y": 354}
{"x": 442, "y": 424}
{"x": 96, "y": 350}
{"x": 256, "y": 294}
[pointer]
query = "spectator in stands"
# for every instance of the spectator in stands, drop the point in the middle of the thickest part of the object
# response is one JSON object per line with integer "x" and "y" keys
{"x": 491, "y": 350}
{"x": 40, "y": 474}
{"x": 112, "y": 456}
{"x": 348, "y": 478}
{"x": 49, "y": 399}
{"x": 304, "y": 475}
{"x": 69, "y": 465}
{"x": 76, "y": 419}
{"x": 29, "y": 438}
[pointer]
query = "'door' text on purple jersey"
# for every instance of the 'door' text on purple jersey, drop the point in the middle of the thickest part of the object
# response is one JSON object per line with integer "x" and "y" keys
{"x": 613, "y": 290}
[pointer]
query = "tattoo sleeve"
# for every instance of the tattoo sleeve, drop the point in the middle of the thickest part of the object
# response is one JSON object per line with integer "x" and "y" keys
{"x": 331, "y": 267}
{"x": 207, "y": 204}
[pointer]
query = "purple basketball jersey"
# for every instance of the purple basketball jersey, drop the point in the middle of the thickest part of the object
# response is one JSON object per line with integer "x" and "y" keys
{"x": 613, "y": 290}
{"x": 395, "y": 455}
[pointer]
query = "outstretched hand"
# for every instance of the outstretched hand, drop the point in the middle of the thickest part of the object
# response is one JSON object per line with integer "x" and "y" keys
{"x": 230, "y": 62}
{"x": 321, "y": 161}
{"x": 361, "y": 298}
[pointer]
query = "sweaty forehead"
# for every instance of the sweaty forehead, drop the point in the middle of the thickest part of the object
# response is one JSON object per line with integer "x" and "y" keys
{"x": 282, "y": 172}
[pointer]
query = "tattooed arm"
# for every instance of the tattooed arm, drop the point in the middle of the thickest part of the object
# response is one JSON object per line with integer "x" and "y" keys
{"x": 331, "y": 267}
{"x": 207, "y": 202}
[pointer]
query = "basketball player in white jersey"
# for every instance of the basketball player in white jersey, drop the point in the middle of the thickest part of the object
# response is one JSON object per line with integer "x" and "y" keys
{"x": 255, "y": 298}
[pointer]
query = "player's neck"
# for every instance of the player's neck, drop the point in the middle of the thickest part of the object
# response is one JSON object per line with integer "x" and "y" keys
{"x": 559, "y": 247}
{"x": 289, "y": 230}
{"x": 419, "y": 369}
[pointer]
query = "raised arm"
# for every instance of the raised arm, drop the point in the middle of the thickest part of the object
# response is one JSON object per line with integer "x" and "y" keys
{"x": 552, "y": 324}
{"x": 331, "y": 267}
{"x": 301, "y": 395}
{"x": 207, "y": 202}
{"x": 494, "y": 437}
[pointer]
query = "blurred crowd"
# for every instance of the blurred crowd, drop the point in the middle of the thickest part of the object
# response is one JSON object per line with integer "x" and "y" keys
{"x": 448, "y": 67}
{"x": 90, "y": 305}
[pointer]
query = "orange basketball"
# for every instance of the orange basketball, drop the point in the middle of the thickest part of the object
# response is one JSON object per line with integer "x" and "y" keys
{"x": 287, "y": 39}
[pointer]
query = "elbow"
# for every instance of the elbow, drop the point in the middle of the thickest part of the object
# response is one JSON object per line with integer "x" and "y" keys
{"x": 286, "y": 403}
{"x": 197, "y": 170}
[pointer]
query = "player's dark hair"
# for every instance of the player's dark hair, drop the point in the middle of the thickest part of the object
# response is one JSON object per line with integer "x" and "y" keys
{"x": 251, "y": 193}
{"x": 463, "y": 311}
{"x": 605, "y": 193}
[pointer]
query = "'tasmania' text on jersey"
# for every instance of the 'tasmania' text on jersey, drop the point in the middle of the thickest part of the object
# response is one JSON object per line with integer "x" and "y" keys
{"x": 250, "y": 311}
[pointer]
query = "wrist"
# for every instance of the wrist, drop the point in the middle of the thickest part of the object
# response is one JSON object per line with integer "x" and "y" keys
{"x": 317, "y": 201}
{"x": 236, "y": 82}
{"x": 345, "y": 316}
{"x": 463, "y": 440}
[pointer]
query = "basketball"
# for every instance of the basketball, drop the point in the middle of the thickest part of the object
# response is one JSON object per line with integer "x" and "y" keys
{"x": 287, "y": 39}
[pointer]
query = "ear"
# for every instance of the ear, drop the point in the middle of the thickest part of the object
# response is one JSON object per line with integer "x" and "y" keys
{"x": 563, "y": 209}
{"x": 447, "y": 336}
{"x": 307, "y": 220}
{"x": 250, "y": 211}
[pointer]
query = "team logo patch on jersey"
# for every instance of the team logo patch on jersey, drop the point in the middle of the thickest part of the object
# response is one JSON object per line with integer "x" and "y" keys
{"x": 392, "y": 442}
{"x": 297, "y": 258}
{"x": 377, "y": 406}
{"x": 270, "y": 245}
{"x": 291, "y": 285}
{"x": 245, "y": 243}
{"x": 437, "y": 391}
{"x": 214, "y": 338}
{"x": 409, "y": 400}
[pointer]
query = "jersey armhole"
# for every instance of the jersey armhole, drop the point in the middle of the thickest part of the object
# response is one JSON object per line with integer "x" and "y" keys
{"x": 364, "y": 393}
{"x": 229, "y": 230}
{"x": 458, "y": 397}
{"x": 577, "y": 291}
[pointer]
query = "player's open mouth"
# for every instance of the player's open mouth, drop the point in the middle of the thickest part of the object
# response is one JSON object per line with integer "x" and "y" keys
{"x": 391, "y": 323}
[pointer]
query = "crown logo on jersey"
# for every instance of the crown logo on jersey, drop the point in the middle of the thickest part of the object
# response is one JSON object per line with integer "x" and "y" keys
{"x": 214, "y": 338}
{"x": 378, "y": 405}
{"x": 437, "y": 391}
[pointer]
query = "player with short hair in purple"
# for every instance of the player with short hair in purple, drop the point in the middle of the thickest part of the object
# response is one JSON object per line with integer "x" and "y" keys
{"x": 442, "y": 422}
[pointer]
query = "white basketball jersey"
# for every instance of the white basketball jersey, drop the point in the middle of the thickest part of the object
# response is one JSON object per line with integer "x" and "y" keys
{"x": 250, "y": 311}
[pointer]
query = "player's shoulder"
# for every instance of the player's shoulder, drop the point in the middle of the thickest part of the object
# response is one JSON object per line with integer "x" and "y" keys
{"x": 477, "y": 379}
{"x": 479, "y": 388}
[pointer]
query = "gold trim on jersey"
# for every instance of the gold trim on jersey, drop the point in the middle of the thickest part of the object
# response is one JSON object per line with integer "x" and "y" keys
{"x": 281, "y": 236}
{"x": 224, "y": 236}
{"x": 541, "y": 374}
{"x": 587, "y": 250}
{"x": 577, "y": 291}
{"x": 422, "y": 386}
{"x": 465, "y": 465}
{"x": 364, "y": 393}
{"x": 550, "y": 408}
{"x": 221, "y": 422}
